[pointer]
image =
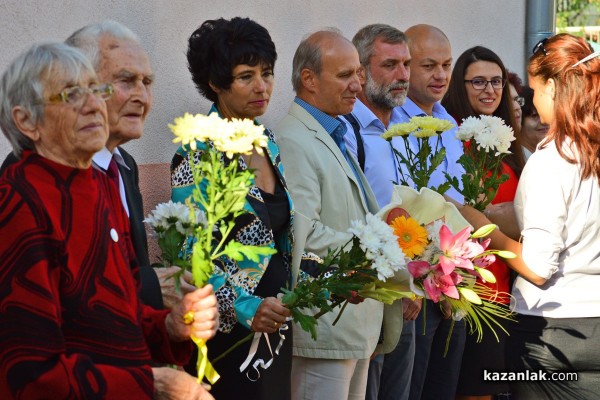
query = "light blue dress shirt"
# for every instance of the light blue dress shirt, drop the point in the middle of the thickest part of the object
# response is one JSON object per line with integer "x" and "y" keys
{"x": 381, "y": 167}
{"x": 454, "y": 147}
{"x": 336, "y": 129}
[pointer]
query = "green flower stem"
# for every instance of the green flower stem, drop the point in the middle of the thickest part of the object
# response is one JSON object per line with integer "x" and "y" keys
{"x": 449, "y": 337}
{"x": 333, "y": 305}
{"x": 235, "y": 346}
{"x": 340, "y": 313}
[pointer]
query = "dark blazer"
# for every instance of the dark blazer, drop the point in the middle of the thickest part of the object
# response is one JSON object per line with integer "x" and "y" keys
{"x": 150, "y": 292}
{"x": 9, "y": 160}
{"x": 150, "y": 287}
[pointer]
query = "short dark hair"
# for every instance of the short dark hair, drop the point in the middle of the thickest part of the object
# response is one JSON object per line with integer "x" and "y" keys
{"x": 218, "y": 46}
{"x": 456, "y": 101}
{"x": 515, "y": 80}
{"x": 528, "y": 108}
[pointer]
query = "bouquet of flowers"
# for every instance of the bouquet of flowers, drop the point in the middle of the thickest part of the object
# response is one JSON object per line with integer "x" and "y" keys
{"x": 444, "y": 265}
{"x": 371, "y": 264}
{"x": 420, "y": 163}
{"x": 172, "y": 224}
{"x": 487, "y": 140}
{"x": 220, "y": 191}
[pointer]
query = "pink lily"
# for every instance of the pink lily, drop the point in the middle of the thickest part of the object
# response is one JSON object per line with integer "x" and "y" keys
{"x": 436, "y": 282}
{"x": 458, "y": 249}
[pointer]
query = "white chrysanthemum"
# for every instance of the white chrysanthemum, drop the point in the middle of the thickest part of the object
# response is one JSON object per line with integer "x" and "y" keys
{"x": 166, "y": 215}
{"x": 378, "y": 226}
{"x": 485, "y": 139}
{"x": 504, "y": 135}
{"x": 200, "y": 217}
{"x": 370, "y": 241}
{"x": 469, "y": 128}
{"x": 496, "y": 136}
{"x": 433, "y": 231}
{"x": 383, "y": 267}
{"x": 380, "y": 245}
{"x": 393, "y": 252}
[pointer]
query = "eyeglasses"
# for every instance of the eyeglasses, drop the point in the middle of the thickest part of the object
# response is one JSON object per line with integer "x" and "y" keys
{"x": 481, "y": 84}
{"x": 74, "y": 95}
{"x": 519, "y": 100}
{"x": 540, "y": 46}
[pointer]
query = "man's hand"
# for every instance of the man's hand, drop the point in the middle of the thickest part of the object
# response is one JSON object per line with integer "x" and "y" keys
{"x": 171, "y": 296}
{"x": 411, "y": 308}
{"x": 271, "y": 314}
{"x": 170, "y": 384}
{"x": 203, "y": 303}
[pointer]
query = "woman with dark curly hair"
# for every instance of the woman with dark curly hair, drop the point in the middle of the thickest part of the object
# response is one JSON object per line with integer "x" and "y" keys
{"x": 231, "y": 62}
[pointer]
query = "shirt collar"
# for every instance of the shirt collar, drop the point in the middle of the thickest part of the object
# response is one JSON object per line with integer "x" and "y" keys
{"x": 327, "y": 122}
{"x": 366, "y": 117}
{"x": 102, "y": 158}
{"x": 413, "y": 110}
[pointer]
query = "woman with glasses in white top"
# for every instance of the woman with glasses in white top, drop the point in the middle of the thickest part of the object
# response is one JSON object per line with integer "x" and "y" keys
{"x": 479, "y": 86}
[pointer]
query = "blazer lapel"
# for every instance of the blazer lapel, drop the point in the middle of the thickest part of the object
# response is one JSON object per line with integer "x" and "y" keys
{"x": 321, "y": 135}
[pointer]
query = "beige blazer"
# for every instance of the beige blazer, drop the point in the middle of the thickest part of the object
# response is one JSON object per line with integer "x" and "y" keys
{"x": 325, "y": 190}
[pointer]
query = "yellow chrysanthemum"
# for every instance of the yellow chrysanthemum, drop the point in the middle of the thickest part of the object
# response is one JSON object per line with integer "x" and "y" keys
{"x": 189, "y": 128}
{"x": 412, "y": 237}
{"x": 244, "y": 136}
{"x": 424, "y": 133}
{"x": 238, "y": 136}
{"x": 399, "y": 130}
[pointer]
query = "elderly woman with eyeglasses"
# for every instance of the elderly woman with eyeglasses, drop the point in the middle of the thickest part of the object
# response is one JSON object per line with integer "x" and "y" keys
{"x": 479, "y": 87}
{"x": 71, "y": 322}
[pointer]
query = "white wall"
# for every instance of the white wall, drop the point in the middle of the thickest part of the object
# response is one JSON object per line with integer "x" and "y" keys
{"x": 164, "y": 27}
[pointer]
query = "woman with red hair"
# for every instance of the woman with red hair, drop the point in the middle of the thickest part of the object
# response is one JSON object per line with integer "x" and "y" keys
{"x": 558, "y": 210}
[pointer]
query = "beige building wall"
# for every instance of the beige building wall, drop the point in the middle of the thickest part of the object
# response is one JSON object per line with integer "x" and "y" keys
{"x": 164, "y": 27}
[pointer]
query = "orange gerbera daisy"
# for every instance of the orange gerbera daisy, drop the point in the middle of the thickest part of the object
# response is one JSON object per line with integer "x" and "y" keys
{"x": 412, "y": 237}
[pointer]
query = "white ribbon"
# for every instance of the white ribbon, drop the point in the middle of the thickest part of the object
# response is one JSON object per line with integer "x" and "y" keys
{"x": 254, "y": 347}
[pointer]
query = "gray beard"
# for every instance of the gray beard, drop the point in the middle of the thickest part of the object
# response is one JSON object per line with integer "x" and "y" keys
{"x": 381, "y": 96}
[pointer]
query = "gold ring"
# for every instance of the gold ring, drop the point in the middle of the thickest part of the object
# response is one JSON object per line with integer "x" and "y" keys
{"x": 276, "y": 324}
{"x": 188, "y": 317}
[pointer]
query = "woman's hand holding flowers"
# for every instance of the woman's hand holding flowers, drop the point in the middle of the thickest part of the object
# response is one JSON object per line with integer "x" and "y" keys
{"x": 202, "y": 303}
{"x": 271, "y": 314}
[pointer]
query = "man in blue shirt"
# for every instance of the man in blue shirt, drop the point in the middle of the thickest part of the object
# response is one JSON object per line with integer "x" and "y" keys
{"x": 433, "y": 375}
{"x": 385, "y": 56}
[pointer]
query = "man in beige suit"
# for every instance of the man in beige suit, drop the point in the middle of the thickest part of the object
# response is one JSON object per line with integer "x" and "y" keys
{"x": 329, "y": 189}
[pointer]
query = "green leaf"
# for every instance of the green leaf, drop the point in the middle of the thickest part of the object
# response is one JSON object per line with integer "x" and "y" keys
{"x": 306, "y": 322}
{"x": 238, "y": 251}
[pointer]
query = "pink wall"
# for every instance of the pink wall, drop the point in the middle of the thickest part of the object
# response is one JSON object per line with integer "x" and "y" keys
{"x": 155, "y": 185}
